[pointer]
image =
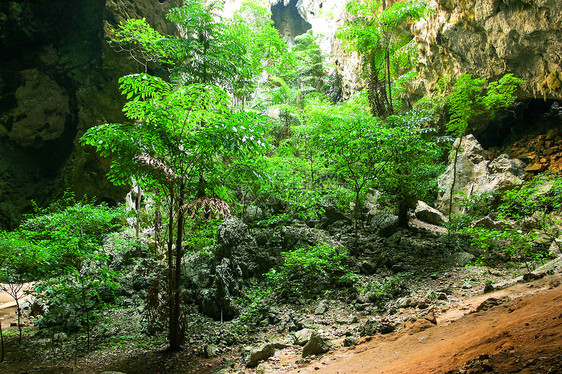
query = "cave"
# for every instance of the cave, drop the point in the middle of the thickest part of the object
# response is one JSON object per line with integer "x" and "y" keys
{"x": 289, "y": 22}
{"x": 524, "y": 118}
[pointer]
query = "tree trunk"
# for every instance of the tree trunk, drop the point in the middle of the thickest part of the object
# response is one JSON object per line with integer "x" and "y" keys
{"x": 389, "y": 83}
{"x": 137, "y": 211}
{"x": 402, "y": 214}
{"x": 170, "y": 265}
{"x": 16, "y": 297}
{"x": 454, "y": 176}
{"x": 1, "y": 342}
{"x": 356, "y": 219}
{"x": 175, "y": 340}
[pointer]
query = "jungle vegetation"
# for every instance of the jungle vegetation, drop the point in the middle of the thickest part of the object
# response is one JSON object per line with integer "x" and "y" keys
{"x": 223, "y": 115}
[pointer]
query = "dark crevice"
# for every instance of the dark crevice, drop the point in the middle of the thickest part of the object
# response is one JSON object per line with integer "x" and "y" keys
{"x": 289, "y": 21}
{"x": 523, "y": 118}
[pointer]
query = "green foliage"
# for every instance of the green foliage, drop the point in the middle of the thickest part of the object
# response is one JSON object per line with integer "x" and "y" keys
{"x": 533, "y": 206}
{"x": 72, "y": 301}
{"x": 140, "y": 40}
{"x": 473, "y": 98}
{"x": 541, "y": 195}
{"x": 185, "y": 134}
{"x": 253, "y": 24}
{"x": 67, "y": 236}
{"x": 392, "y": 288}
{"x": 308, "y": 271}
{"x": 504, "y": 246}
{"x": 410, "y": 173}
{"x": 19, "y": 258}
{"x": 219, "y": 52}
{"x": 377, "y": 33}
{"x": 60, "y": 249}
{"x": 206, "y": 51}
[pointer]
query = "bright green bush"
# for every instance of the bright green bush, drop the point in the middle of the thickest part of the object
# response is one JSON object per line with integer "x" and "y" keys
{"x": 312, "y": 270}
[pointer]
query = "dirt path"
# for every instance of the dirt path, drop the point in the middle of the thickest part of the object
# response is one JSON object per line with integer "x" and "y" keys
{"x": 515, "y": 330}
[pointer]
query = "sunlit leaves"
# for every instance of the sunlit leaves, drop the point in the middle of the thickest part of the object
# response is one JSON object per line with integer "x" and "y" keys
{"x": 473, "y": 97}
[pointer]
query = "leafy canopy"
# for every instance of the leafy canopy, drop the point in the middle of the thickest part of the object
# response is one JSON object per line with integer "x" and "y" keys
{"x": 475, "y": 98}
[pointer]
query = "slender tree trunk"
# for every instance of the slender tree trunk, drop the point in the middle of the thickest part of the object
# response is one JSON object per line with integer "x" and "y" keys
{"x": 170, "y": 264}
{"x": 88, "y": 328}
{"x": 174, "y": 323}
{"x": 137, "y": 210}
{"x": 356, "y": 219}
{"x": 454, "y": 176}
{"x": 19, "y": 319}
{"x": 1, "y": 342}
{"x": 402, "y": 214}
{"x": 389, "y": 83}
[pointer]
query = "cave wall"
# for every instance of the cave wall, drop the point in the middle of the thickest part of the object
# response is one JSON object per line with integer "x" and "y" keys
{"x": 58, "y": 77}
{"x": 489, "y": 38}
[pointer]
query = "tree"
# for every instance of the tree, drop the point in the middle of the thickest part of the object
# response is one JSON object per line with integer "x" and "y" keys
{"x": 376, "y": 32}
{"x": 253, "y": 24}
{"x": 353, "y": 145}
{"x": 474, "y": 100}
{"x": 18, "y": 259}
{"x": 183, "y": 135}
{"x": 181, "y": 144}
{"x": 411, "y": 172}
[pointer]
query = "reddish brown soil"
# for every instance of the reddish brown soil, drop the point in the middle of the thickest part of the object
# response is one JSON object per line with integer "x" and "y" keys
{"x": 514, "y": 330}
{"x": 518, "y": 330}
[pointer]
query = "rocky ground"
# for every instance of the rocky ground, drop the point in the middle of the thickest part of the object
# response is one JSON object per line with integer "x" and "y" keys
{"x": 448, "y": 325}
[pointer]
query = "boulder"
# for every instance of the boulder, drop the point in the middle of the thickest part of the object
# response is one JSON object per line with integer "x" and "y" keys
{"x": 476, "y": 174}
{"x": 555, "y": 247}
{"x": 384, "y": 224}
{"x": 215, "y": 283}
{"x": 253, "y": 213}
{"x": 316, "y": 345}
{"x": 298, "y": 236}
{"x": 258, "y": 353}
{"x": 349, "y": 341}
{"x": 369, "y": 328}
{"x": 210, "y": 350}
{"x": 302, "y": 337}
{"x": 462, "y": 258}
{"x": 428, "y": 214}
{"x": 488, "y": 223}
{"x": 321, "y": 308}
{"x": 332, "y": 215}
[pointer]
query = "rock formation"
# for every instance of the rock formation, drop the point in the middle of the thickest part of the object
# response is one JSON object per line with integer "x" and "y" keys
{"x": 476, "y": 174}
{"x": 58, "y": 77}
{"x": 490, "y": 38}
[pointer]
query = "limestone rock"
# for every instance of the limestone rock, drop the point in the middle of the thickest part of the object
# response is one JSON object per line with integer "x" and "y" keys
{"x": 259, "y": 353}
{"x": 463, "y": 258}
{"x": 253, "y": 213}
{"x": 302, "y": 337}
{"x": 488, "y": 223}
{"x": 555, "y": 247}
{"x": 489, "y": 38}
{"x": 64, "y": 83}
{"x": 316, "y": 345}
{"x": 369, "y": 328}
{"x": 428, "y": 214}
{"x": 384, "y": 224}
{"x": 42, "y": 110}
{"x": 349, "y": 341}
{"x": 476, "y": 174}
{"x": 321, "y": 308}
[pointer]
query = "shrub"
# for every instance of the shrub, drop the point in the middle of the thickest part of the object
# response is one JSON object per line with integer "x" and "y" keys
{"x": 309, "y": 271}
